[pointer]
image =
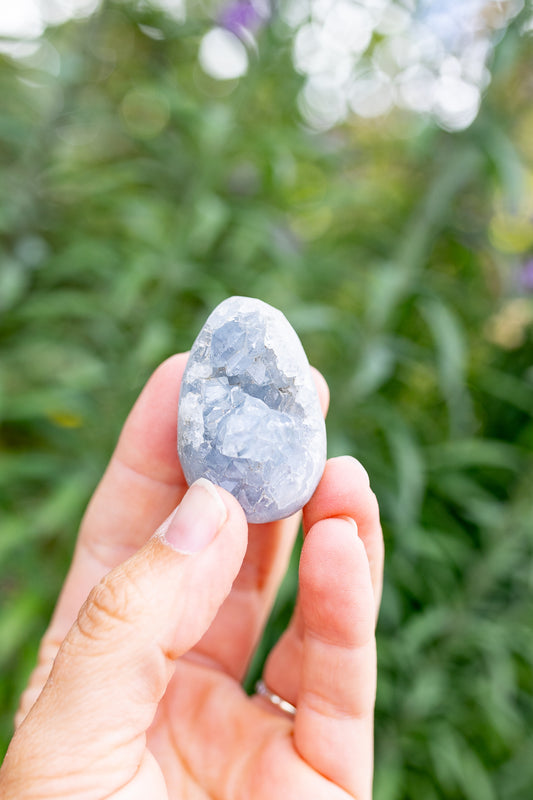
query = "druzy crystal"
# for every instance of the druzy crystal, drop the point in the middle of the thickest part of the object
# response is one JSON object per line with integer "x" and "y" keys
{"x": 249, "y": 417}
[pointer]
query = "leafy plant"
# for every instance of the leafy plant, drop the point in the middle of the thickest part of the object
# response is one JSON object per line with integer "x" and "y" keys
{"x": 137, "y": 194}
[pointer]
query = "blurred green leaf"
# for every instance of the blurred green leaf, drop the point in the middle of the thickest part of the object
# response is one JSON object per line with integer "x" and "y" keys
{"x": 451, "y": 351}
{"x": 15, "y": 623}
{"x": 461, "y": 453}
{"x": 410, "y": 474}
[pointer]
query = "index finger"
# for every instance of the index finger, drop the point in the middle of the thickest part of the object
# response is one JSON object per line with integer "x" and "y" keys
{"x": 142, "y": 484}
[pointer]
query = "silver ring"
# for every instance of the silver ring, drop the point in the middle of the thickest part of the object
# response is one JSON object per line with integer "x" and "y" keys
{"x": 263, "y": 691}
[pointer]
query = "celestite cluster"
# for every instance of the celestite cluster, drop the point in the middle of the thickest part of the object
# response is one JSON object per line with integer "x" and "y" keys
{"x": 249, "y": 417}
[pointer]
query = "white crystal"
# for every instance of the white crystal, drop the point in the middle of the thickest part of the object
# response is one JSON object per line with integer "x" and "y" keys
{"x": 249, "y": 416}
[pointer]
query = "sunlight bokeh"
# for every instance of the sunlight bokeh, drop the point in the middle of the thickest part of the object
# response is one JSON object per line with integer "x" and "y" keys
{"x": 362, "y": 57}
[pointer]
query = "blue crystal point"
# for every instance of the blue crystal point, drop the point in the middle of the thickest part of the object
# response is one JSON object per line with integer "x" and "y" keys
{"x": 249, "y": 416}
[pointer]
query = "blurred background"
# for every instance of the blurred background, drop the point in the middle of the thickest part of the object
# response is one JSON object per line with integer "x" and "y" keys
{"x": 365, "y": 166}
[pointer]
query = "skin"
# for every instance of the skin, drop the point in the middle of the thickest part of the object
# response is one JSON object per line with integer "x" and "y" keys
{"x": 138, "y": 694}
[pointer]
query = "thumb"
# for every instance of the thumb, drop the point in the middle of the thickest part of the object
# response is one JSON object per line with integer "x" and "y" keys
{"x": 116, "y": 662}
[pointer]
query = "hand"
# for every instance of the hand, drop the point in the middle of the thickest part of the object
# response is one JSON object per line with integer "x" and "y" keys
{"x": 138, "y": 696}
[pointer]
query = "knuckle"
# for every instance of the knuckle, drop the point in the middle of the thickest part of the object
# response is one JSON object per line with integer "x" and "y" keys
{"x": 110, "y": 605}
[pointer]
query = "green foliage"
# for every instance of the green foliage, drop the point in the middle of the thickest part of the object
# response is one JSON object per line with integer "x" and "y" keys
{"x": 136, "y": 195}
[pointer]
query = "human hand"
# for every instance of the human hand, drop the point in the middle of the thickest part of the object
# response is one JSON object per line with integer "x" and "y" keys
{"x": 138, "y": 695}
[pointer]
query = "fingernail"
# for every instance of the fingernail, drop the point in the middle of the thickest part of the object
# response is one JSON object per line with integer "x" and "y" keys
{"x": 197, "y": 519}
{"x": 352, "y": 522}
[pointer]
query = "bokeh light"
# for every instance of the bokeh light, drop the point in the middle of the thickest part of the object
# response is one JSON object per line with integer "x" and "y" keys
{"x": 357, "y": 57}
{"x": 430, "y": 57}
{"x": 222, "y": 55}
{"x": 27, "y": 19}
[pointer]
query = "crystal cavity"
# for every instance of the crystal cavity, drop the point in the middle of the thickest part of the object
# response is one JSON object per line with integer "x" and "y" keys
{"x": 249, "y": 416}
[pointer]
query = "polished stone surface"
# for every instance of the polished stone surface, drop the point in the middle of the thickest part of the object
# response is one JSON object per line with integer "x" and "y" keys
{"x": 249, "y": 417}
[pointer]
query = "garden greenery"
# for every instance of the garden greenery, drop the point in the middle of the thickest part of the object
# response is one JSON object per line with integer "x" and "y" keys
{"x": 137, "y": 193}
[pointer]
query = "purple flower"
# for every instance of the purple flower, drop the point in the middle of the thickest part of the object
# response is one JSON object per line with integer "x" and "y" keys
{"x": 525, "y": 276}
{"x": 243, "y": 15}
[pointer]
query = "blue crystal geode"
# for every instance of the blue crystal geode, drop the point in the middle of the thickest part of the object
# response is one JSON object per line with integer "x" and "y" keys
{"x": 249, "y": 417}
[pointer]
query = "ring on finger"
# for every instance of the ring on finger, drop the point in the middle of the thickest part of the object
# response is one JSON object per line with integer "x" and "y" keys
{"x": 278, "y": 702}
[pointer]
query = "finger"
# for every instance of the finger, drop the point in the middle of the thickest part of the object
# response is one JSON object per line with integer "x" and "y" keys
{"x": 322, "y": 389}
{"x": 232, "y": 639}
{"x": 115, "y": 663}
{"x": 343, "y": 491}
{"x": 337, "y": 689}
